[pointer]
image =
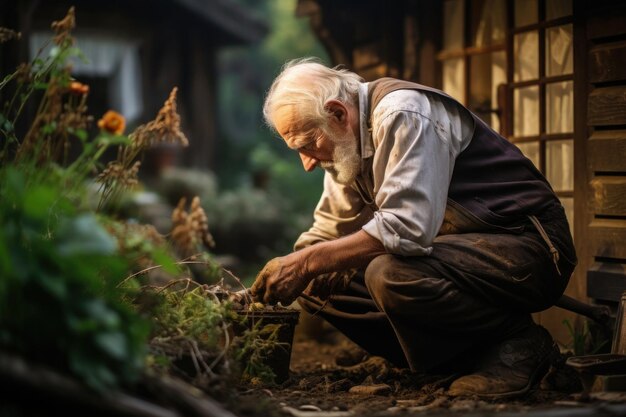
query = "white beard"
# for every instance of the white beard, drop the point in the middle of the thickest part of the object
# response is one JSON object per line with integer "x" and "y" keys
{"x": 346, "y": 163}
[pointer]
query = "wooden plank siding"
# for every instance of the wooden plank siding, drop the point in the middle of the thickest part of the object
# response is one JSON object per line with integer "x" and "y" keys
{"x": 609, "y": 195}
{"x": 607, "y": 106}
{"x": 607, "y": 62}
{"x": 605, "y": 235}
{"x": 607, "y": 150}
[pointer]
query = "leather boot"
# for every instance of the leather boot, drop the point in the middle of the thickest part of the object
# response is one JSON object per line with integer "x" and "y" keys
{"x": 510, "y": 368}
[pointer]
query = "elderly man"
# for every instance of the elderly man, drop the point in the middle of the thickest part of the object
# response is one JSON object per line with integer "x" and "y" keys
{"x": 455, "y": 235}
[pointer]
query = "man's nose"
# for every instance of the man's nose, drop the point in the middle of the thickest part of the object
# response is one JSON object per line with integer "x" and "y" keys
{"x": 308, "y": 162}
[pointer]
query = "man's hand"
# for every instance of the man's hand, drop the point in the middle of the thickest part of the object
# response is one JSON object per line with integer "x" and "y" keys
{"x": 281, "y": 280}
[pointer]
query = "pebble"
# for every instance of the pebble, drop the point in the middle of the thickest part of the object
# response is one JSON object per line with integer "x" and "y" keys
{"x": 309, "y": 407}
{"x": 375, "y": 389}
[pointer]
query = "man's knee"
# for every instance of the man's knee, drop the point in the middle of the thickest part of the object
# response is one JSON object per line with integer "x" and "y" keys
{"x": 379, "y": 272}
{"x": 383, "y": 277}
{"x": 393, "y": 281}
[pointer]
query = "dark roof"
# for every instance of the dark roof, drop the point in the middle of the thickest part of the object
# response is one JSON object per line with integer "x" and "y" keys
{"x": 234, "y": 19}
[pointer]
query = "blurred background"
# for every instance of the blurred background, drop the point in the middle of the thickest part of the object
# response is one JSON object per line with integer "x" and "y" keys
{"x": 222, "y": 55}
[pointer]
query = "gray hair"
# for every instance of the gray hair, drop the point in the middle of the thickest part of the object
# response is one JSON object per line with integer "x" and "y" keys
{"x": 309, "y": 85}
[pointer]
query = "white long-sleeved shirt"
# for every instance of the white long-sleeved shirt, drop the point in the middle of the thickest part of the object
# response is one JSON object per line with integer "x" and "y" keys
{"x": 407, "y": 161}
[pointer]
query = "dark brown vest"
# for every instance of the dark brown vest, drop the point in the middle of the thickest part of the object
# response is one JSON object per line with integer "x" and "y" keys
{"x": 491, "y": 178}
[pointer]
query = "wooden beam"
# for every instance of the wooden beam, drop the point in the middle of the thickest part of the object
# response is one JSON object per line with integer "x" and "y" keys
{"x": 605, "y": 23}
{"x": 607, "y": 237}
{"x": 607, "y": 106}
{"x": 607, "y": 62}
{"x": 609, "y": 196}
{"x": 607, "y": 151}
{"x": 606, "y": 281}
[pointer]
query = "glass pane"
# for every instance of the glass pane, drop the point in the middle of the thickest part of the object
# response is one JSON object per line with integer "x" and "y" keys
{"x": 531, "y": 150}
{"x": 488, "y": 22}
{"x": 486, "y": 73}
{"x": 560, "y": 107}
{"x": 559, "y": 50}
{"x": 526, "y": 56}
{"x": 525, "y": 12}
{"x": 568, "y": 205}
{"x": 560, "y": 164}
{"x": 558, "y": 8}
{"x": 454, "y": 78}
{"x": 453, "y": 11}
{"x": 526, "y": 111}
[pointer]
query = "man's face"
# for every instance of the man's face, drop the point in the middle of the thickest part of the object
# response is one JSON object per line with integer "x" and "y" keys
{"x": 334, "y": 149}
{"x": 346, "y": 162}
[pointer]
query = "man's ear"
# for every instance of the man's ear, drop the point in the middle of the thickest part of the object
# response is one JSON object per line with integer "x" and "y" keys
{"x": 337, "y": 110}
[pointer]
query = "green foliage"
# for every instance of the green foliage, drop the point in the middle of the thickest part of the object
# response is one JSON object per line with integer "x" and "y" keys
{"x": 583, "y": 342}
{"x": 191, "y": 320}
{"x": 248, "y": 147}
{"x": 58, "y": 298}
{"x": 60, "y": 269}
{"x": 253, "y": 347}
{"x": 192, "y": 315}
{"x": 69, "y": 293}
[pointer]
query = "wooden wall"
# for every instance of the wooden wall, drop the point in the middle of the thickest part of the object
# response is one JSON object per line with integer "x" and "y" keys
{"x": 605, "y": 252}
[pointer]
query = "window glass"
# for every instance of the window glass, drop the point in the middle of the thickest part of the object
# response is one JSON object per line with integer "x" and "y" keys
{"x": 560, "y": 107}
{"x": 488, "y": 22}
{"x": 526, "y": 56}
{"x": 531, "y": 150}
{"x": 486, "y": 73}
{"x": 559, "y": 50}
{"x": 558, "y": 8}
{"x": 525, "y": 12}
{"x": 560, "y": 164}
{"x": 454, "y": 78}
{"x": 526, "y": 111}
{"x": 453, "y": 11}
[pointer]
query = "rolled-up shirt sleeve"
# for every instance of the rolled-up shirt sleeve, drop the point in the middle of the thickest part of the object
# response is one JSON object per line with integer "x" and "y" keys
{"x": 412, "y": 168}
{"x": 340, "y": 211}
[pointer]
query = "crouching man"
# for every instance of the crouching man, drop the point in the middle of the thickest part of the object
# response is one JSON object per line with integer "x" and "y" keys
{"x": 455, "y": 235}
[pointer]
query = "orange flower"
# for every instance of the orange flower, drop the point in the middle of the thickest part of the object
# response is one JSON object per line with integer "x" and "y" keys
{"x": 112, "y": 122}
{"x": 78, "y": 88}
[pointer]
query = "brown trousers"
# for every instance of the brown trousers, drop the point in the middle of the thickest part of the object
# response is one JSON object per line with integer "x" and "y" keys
{"x": 474, "y": 289}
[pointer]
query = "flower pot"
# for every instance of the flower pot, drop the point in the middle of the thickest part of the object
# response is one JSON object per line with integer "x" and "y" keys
{"x": 283, "y": 323}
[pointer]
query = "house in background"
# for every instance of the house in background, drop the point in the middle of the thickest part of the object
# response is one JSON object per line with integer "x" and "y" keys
{"x": 548, "y": 74}
{"x": 137, "y": 51}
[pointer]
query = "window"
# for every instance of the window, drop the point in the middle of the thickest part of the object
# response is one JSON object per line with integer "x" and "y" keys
{"x": 474, "y": 60}
{"x": 511, "y": 63}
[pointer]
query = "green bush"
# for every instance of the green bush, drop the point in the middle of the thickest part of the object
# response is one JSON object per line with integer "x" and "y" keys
{"x": 58, "y": 298}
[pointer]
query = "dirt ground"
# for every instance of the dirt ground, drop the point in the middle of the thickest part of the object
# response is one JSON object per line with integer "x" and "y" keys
{"x": 331, "y": 377}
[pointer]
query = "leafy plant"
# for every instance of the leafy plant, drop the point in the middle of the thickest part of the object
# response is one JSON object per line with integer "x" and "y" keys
{"x": 583, "y": 341}
{"x": 197, "y": 323}
{"x": 253, "y": 347}
{"x": 60, "y": 270}
{"x": 58, "y": 298}
{"x": 71, "y": 295}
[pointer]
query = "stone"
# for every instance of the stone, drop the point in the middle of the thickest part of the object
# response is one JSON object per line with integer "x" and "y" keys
{"x": 375, "y": 389}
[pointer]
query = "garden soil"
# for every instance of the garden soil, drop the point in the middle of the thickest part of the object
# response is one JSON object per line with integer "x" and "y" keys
{"x": 331, "y": 376}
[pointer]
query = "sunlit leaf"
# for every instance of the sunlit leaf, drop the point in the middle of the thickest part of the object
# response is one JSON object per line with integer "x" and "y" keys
{"x": 113, "y": 343}
{"x": 84, "y": 235}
